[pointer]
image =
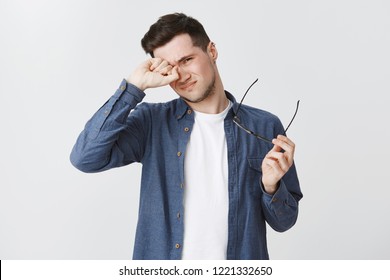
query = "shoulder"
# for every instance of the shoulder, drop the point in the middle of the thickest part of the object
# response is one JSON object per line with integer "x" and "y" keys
{"x": 262, "y": 119}
{"x": 256, "y": 113}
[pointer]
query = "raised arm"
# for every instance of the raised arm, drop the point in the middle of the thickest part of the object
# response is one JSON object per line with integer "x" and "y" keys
{"x": 113, "y": 137}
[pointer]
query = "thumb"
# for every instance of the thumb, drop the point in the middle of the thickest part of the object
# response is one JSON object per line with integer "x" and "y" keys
{"x": 173, "y": 75}
{"x": 275, "y": 148}
{"x": 170, "y": 77}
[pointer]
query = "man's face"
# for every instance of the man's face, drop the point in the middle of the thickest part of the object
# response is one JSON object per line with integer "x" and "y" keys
{"x": 196, "y": 68}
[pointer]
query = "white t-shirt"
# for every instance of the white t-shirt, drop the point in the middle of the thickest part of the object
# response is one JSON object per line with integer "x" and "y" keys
{"x": 206, "y": 196}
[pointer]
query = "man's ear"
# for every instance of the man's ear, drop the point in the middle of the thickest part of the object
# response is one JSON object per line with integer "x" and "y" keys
{"x": 212, "y": 51}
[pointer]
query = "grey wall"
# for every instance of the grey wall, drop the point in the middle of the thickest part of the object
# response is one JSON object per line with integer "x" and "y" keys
{"x": 60, "y": 61}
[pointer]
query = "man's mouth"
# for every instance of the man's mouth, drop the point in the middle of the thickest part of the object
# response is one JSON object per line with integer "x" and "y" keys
{"x": 188, "y": 85}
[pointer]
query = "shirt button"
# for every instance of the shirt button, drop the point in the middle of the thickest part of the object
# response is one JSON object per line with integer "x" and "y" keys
{"x": 177, "y": 246}
{"x": 178, "y": 154}
{"x": 178, "y": 215}
{"x": 186, "y": 129}
{"x": 123, "y": 87}
{"x": 189, "y": 112}
{"x": 181, "y": 185}
{"x": 274, "y": 199}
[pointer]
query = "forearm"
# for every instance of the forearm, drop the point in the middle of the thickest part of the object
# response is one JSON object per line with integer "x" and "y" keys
{"x": 98, "y": 145}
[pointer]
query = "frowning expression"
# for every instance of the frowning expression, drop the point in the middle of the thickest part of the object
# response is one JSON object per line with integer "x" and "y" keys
{"x": 196, "y": 67}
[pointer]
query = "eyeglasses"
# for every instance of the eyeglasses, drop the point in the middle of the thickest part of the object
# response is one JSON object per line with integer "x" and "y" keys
{"x": 237, "y": 120}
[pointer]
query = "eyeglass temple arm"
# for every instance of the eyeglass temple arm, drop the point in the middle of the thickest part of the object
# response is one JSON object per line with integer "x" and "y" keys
{"x": 296, "y": 111}
{"x": 236, "y": 121}
{"x": 242, "y": 99}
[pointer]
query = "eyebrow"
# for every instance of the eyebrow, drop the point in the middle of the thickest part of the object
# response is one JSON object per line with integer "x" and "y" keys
{"x": 184, "y": 58}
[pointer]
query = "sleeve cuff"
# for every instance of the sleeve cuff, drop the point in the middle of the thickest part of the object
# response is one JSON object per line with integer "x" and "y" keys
{"x": 129, "y": 93}
{"x": 280, "y": 195}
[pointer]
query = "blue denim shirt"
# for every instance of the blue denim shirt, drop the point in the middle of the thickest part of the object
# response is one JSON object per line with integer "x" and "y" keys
{"x": 156, "y": 135}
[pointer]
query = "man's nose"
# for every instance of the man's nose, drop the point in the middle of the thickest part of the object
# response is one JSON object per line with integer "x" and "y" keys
{"x": 183, "y": 74}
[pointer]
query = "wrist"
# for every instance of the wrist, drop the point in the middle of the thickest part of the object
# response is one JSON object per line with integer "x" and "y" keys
{"x": 135, "y": 83}
{"x": 270, "y": 189}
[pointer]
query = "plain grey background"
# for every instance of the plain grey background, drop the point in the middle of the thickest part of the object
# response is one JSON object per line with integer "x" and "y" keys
{"x": 61, "y": 60}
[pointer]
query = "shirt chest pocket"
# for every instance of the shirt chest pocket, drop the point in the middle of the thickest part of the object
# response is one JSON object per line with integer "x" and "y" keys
{"x": 254, "y": 175}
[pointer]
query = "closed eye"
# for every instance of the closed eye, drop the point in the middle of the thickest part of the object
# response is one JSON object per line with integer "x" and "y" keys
{"x": 186, "y": 60}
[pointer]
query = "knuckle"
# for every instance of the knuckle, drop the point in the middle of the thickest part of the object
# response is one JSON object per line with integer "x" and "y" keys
{"x": 292, "y": 144}
{"x": 285, "y": 168}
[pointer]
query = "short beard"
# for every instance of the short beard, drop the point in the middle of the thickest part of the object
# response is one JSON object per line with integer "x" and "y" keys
{"x": 209, "y": 92}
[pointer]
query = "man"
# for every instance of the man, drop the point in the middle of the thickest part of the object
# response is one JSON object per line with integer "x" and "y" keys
{"x": 207, "y": 188}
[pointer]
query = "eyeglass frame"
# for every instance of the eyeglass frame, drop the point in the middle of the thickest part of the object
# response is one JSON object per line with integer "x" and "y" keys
{"x": 237, "y": 120}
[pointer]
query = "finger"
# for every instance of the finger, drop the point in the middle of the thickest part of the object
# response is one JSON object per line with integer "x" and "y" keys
{"x": 274, "y": 165}
{"x": 171, "y": 76}
{"x": 275, "y": 148}
{"x": 285, "y": 139}
{"x": 288, "y": 156}
{"x": 174, "y": 73}
{"x": 164, "y": 64}
{"x": 165, "y": 71}
{"x": 281, "y": 159}
{"x": 154, "y": 63}
{"x": 288, "y": 146}
{"x": 285, "y": 143}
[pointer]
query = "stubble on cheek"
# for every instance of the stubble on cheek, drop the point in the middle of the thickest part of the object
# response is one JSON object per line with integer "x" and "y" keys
{"x": 210, "y": 90}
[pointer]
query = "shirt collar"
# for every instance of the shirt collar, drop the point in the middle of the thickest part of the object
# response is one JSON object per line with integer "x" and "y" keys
{"x": 182, "y": 107}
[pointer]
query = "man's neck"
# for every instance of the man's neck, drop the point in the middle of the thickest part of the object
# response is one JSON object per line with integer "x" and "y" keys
{"x": 213, "y": 104}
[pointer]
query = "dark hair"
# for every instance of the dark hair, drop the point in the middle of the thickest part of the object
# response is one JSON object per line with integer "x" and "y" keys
{"x": 171, "y": 25}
